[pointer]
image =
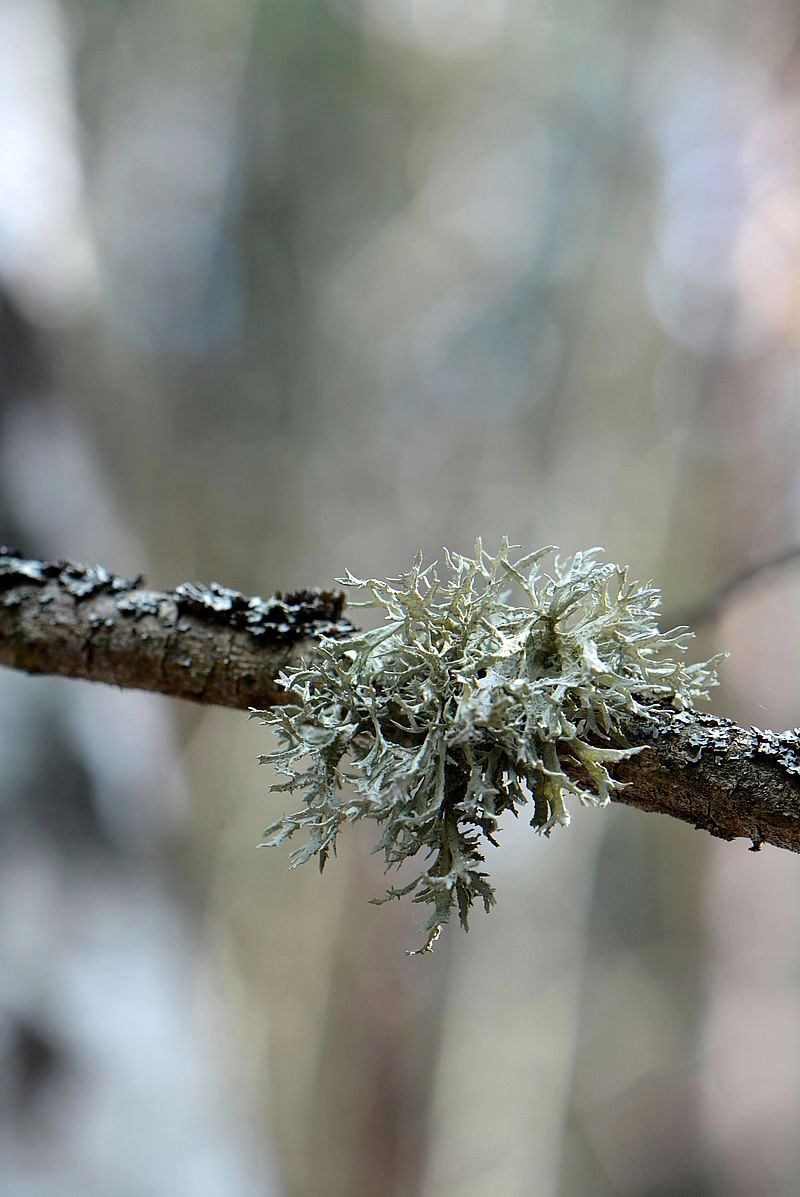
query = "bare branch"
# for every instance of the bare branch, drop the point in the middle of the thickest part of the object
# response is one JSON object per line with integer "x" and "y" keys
{"x": 205, "y": 644}
{"x": 729, "y": 780}
{"x": 213, "y": 645}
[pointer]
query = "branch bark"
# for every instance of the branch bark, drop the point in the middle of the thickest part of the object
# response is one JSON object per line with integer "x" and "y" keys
{"x": 213, "y": 645}
{"x": 207, "y": 644}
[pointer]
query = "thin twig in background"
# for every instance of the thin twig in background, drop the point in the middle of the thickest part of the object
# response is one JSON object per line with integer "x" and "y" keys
{"x": 712, "y": 607}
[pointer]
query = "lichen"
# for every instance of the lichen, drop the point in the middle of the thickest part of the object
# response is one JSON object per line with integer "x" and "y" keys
{"x": 464, "y": 705}
{"x": 301, "y": 615}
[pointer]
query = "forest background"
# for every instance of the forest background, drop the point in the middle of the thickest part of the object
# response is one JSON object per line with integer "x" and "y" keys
{"x": 294, "y": 286}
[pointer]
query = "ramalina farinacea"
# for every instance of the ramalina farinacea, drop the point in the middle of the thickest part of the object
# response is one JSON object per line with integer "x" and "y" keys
{"x": 465, "y": 704}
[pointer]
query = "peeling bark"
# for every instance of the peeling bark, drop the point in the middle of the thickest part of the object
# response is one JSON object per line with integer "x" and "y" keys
{"x": 214, "y": 645}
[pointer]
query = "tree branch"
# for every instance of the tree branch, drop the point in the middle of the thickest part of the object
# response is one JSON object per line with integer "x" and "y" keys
{"x": 729, "y": 780}
{"x": 213, "y": 645}
{"x": 206, "y": 644}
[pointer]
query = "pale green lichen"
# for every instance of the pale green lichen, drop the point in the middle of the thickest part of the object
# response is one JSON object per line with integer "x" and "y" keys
{"x": 464, "y": 705}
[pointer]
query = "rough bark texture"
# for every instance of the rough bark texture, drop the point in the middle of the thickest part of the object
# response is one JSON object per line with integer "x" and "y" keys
{"x": 213, "y": 645}
{"x": 731, "y": 781}
{"x": 207, "y": 644}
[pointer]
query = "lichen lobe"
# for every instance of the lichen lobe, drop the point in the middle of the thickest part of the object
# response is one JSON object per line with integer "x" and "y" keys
{"x": 79, "y": 581}
{"x": 465, "y": 705}
{"x": 782, "y": 747}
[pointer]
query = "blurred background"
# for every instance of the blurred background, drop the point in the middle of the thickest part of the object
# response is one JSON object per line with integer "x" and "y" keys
{"x": 293, "y": 285}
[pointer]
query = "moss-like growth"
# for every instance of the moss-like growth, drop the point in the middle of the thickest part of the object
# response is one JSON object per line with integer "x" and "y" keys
{"x": 464, "y": 705}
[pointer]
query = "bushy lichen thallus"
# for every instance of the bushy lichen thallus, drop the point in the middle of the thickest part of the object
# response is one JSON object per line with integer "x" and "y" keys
{"x": 465, "y": 704}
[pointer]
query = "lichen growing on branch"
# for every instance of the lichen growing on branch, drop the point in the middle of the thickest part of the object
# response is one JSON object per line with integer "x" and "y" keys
{"x": 465, "y": 704}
